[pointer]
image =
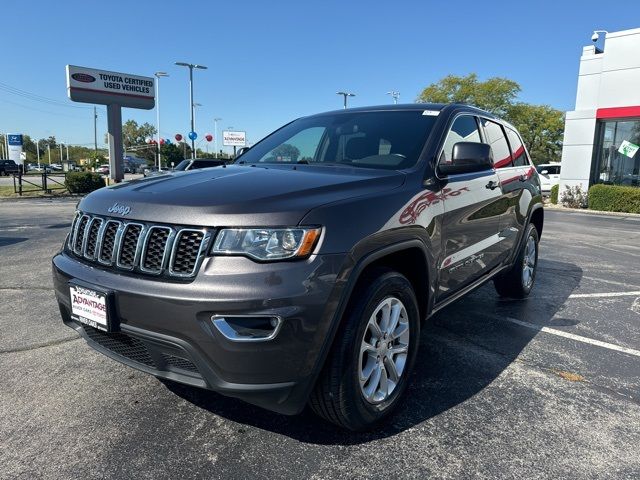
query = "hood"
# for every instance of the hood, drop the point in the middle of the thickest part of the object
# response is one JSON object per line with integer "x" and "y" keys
{"x": 238, "y": 195}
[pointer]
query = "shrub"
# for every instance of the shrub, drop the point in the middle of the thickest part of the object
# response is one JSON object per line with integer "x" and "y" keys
{"x": 554, "y": 194}
{"x": 83, "y": 182}
{"x": 614, "y": 198}
{"x": 573, "y": 197}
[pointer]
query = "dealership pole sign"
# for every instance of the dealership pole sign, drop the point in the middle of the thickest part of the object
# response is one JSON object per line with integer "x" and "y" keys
{"x": 115, "y": 90}
{"x": 15, "y": 147}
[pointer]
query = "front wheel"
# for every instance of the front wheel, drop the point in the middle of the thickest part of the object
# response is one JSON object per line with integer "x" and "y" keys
{"x": 373, "y": 353}
{"x": 518, "y": 281}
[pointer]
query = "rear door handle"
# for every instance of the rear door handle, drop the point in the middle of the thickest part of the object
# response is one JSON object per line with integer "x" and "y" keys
{"x": 523, "y": 178}
{"x": 492, "y": 185}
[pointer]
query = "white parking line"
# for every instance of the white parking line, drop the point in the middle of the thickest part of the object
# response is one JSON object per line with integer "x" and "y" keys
{"x": 604, "y": 295}
{"x": 561, "y": 333}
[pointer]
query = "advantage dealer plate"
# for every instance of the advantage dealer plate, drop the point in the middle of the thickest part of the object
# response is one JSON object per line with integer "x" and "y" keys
{"x": 90, "y": 307}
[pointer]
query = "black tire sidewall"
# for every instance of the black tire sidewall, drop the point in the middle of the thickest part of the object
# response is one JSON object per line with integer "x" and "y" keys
{"x": 390, "y": 284}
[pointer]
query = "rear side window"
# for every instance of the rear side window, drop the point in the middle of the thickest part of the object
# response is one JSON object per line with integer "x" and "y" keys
{"x": 518, "y": 154}
{"x": 499, "y": 145}
{"x": 464, "y": 129}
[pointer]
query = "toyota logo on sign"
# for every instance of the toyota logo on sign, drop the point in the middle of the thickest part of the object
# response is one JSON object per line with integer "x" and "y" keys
{"x": 83, "y": 77}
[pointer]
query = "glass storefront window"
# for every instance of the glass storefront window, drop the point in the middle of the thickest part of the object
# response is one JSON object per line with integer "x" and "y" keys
{"x": 613, "y": 167}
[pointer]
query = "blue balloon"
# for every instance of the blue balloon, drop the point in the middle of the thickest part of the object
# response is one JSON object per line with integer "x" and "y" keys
{"x": 167, "y": 140}
{"x": 193, "y": 135}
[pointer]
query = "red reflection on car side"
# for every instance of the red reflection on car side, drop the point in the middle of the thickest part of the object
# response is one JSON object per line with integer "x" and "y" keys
{"x": 415, "y": 208}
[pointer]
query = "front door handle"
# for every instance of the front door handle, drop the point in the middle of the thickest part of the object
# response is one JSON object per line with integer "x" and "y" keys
{"x": 492, "y": 185}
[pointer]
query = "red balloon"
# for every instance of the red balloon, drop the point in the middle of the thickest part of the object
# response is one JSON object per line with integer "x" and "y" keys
{"x": 149, "y": 140}
{"x": 178, "y": 137}
{"x": 209, "y": 137}
{"x": 162, "y": 141}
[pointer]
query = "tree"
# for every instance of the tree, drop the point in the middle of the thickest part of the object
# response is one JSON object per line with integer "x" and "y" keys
{"x": 494, "y": 95}
{"x": 171, "y": 153}
{"x": 286, "y": 153}
{"x": 541, "y": 127}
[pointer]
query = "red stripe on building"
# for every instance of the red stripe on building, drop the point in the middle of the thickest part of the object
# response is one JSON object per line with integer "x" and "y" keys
{"x": 618, "y": 112}
{"x": 120, "y": 94}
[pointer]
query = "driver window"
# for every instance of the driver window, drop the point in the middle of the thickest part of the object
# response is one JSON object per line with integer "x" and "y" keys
{"x": 464, "y": 129}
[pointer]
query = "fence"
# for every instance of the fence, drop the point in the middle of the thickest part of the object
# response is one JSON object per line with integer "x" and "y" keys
{"x": 45, "y": 182}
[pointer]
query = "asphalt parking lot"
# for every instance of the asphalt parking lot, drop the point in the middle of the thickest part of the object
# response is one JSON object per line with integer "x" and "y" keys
{"x": 548, "y": 387}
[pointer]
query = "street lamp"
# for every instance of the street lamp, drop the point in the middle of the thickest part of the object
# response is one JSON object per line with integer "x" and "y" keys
{"x": 195, "y": 106}
{"x": 191, "y": 66}
{"x": 215, "y": 133}
{"x": 345, "y": 95}
{"x": 158, "y": 75}
{"x": 395, "y": 95}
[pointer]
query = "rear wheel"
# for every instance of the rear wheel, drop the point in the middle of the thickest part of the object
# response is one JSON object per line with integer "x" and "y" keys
{"x": 518, "y": 281}
{"x": 373, "y": 353}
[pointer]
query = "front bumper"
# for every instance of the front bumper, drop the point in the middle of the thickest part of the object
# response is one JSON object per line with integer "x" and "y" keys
{"x": 166, "y": 327}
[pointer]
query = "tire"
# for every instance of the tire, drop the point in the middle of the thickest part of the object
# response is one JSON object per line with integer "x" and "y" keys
{"x": 339, "y": 396}
{"x": 518, "y": 281}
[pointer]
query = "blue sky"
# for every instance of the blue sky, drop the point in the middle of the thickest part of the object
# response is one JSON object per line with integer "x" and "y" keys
{"x": 270, "y": 62}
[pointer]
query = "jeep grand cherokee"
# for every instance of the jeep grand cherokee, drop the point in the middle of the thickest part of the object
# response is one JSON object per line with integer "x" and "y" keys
{"x": 301, "y": 273}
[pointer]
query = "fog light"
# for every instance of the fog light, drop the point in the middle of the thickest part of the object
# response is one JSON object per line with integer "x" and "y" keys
{"x": 247, "y": 328}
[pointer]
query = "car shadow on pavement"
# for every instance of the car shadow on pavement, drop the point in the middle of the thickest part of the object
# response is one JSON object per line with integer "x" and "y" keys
{"x": 464, "y": 348}
{"x": 6, "y": 241}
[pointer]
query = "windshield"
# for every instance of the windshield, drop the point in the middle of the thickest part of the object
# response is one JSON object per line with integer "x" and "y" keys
{"x": 182, "y": 165}
{"x": 390, "y": 140}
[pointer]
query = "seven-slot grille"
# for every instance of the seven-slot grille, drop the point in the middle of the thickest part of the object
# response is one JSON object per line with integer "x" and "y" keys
{"x": 133, "y": 246}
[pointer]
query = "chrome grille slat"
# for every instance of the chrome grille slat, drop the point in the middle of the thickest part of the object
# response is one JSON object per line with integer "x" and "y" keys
{"x": 133, "y": 246}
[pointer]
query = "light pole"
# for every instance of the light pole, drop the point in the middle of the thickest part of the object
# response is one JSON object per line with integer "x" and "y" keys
{"x": 195, "y": 105}
{"x": 49, "y": 152}
{"x": 345, "y": 95}
{"x": 191, "y": 66}
{"x": 158, "y": 75}
{"x": 395, "y": 95}
{"x": 215, "y": 133}
{"x": 61, "y": 160}
{"x": 38, "y": 151}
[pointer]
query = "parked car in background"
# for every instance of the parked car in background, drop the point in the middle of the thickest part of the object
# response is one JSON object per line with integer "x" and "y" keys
{"x": 549, "y": 174}
{"x": 186, "y": 165}
{"x": 8, "y": 167}
{"x": 103, "y": 169}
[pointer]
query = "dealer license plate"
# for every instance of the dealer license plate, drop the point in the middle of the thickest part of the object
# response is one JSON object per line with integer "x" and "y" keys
{"x": 90, "y": 307}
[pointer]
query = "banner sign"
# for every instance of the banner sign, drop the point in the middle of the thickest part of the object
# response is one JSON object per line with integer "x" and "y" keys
{"x": 234, "y": 139}
{"x": 89, "y": 85}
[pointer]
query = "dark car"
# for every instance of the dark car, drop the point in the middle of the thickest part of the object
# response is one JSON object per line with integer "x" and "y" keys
{"x": 9, "y": 167}
{"x": 302, "y": 273}
{"x": 186, "y": 165}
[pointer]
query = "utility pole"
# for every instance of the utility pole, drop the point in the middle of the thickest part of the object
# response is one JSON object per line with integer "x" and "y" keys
{"x": 38, "y": 151}
{"x": 49, "y": 152}
{"x": 95, "y": 130}
{"x": 60, "y": 145}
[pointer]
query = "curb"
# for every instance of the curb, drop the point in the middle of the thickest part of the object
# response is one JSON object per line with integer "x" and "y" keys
{"x": 38, "y": 197}
{"x": 558, "y": 208}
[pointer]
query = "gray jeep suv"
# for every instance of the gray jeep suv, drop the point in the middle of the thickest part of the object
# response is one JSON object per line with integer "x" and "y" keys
{"x": 301, "y": 273}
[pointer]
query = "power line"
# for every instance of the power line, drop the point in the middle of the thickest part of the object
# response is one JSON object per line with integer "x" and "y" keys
{"x": 37, "y": 98}
{"x": 40, "y": 110}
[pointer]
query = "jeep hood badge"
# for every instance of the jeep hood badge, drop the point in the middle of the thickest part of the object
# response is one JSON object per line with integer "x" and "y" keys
{"x": 119, "y": 209}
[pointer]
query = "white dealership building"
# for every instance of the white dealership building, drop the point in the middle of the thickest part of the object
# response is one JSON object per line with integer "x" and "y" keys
{"x": 602, "y": 133}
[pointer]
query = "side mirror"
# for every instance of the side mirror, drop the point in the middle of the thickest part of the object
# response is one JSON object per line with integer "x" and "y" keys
{"x": 544, "y": 172}
{"x": 242, "y": 151}
{"x": 468, "y": 157}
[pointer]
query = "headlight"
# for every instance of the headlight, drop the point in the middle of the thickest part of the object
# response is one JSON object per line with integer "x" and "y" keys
{"x": 266, "y": 243}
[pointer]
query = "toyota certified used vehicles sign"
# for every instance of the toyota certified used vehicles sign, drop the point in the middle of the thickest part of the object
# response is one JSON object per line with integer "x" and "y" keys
{"x": 90, "y": 85}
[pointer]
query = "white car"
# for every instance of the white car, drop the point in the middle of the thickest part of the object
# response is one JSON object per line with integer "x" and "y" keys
{"x": 549, "y": 175}
{"x": 103, "y": 169}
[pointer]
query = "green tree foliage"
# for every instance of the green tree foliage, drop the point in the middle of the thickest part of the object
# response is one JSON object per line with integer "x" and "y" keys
{"x": 541, "y": 126}
{"x": 494, "y": 95}
{"x": 171, "y": 153}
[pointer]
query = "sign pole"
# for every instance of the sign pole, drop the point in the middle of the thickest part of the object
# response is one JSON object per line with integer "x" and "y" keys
{"x": 114, "y": 133}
